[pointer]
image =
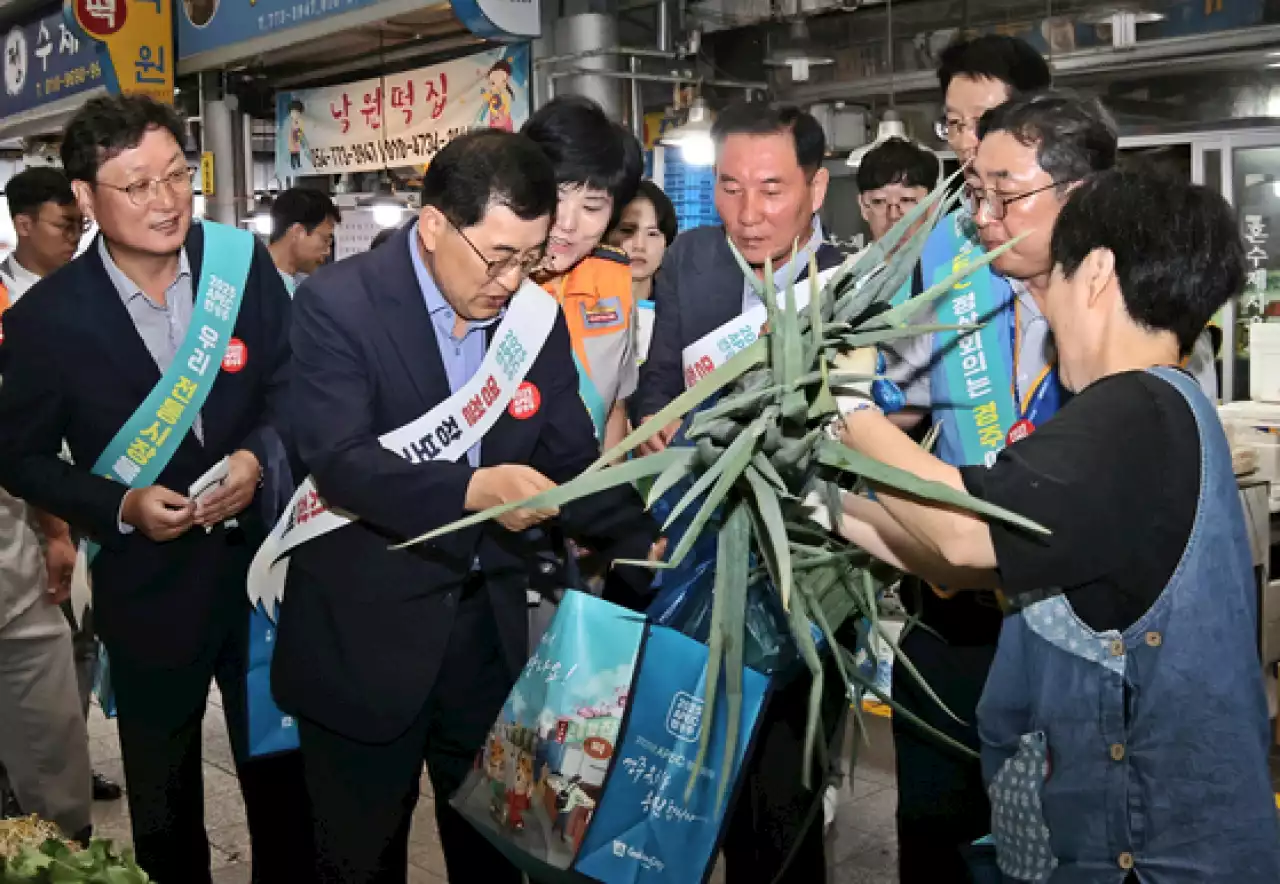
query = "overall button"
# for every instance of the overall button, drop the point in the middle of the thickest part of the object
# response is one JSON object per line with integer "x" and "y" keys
{"x": 1117, "y": 648}
{"x": 1154, "y": 639}
{"x": 1125, "y": 861}
{"x": 1117, "y": 752}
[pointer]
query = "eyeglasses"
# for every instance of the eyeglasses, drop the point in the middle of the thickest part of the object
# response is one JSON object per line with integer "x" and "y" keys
{"x": 998, "y": 204}
{"x": 881, "y": 206}
{"x": 953, "y": 124}
{"x": 70, "y": 229}
{"x": 497, "y": 267}
{"x": 144, "y": 192}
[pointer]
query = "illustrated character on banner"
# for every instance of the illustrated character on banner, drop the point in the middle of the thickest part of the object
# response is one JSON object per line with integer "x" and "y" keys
{"x": 297, "y": 137}
{"x": 498, "y": 97}
{"x": 520, "y": 795}
{"x": 496, "y": 770}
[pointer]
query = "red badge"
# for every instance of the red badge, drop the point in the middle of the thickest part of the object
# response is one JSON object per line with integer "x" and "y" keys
{"x": 526, "y": 402}
{"x": 1019, "y": 431}
{"x": 236, "y": 356}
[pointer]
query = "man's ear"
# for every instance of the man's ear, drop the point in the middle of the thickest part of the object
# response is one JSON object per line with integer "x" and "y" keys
{"x": 431, "y": 226}
{"x": 818, "y": 188}
{"x": 1099, "y": 273}
{"x": 862, "y": 207}
{"x": 85, "y": 199}
{"x": 23, "y": 225}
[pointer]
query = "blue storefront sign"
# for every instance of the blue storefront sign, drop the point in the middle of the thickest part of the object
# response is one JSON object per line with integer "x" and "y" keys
{"x": 204, "y": 25}
{"x": 51, "y": 59}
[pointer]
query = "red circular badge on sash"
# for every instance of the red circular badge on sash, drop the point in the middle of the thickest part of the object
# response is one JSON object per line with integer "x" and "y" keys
{"x": 1019, "y": 431}
{"x": 526, "y": 402}
{"x": 236, "y": 356}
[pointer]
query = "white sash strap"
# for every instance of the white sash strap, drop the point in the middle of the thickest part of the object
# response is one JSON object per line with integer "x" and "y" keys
{"x": 713, "y": 350}
{"x": 445, "y": 432}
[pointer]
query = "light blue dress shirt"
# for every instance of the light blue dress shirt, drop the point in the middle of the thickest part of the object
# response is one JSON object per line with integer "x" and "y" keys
{"x": 787, "y": 273}
{"x": 461, "y": 356}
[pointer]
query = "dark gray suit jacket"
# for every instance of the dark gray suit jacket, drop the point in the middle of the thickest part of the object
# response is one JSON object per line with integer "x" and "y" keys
{"x": 698, "y": 289}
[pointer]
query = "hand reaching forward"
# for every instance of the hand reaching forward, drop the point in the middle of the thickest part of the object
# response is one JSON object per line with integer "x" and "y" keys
{"x": 508, "y": 483}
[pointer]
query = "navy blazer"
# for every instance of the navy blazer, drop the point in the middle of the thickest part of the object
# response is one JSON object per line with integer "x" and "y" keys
{"x": 75, "y": 368}
{"x": 363, "y": 628}
{"x": 698, "y": 289}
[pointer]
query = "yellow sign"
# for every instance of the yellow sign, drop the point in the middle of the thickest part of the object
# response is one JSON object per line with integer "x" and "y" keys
{"x": 206, "y": 173}
{"x": 656, "y": 125}
{"x": 138, "y": 35}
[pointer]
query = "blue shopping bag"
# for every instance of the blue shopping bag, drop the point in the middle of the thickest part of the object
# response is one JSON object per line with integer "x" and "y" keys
{"x": 270, "y": 730}
{"x": 583, "y": 775}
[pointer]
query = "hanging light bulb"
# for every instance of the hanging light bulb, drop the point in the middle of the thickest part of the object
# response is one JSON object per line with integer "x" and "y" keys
{"x": 693, "y": 136}
{"x": 891, "y": 126}
{"x": 388, "y": 208}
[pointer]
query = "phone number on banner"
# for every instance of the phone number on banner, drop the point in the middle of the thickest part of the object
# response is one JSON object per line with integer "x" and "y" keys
{"x": 406, "y": 149}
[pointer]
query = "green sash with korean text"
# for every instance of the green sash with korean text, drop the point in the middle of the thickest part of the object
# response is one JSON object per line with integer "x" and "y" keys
{"x": 147, "y": 442}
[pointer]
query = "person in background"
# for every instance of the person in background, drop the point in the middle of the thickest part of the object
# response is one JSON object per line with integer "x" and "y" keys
{"x": 1140, "y": 594}
{"x": 433, "y": 636}
{"x": 44, "y": 743}
{"x": 770, "y": 186}
{"x": 893, "y": 179}
{"x": 598, "y": 165}
{"x": 84, "y": 350}
{"x": 645, "y": 230}
{"x": 303, "y": 222}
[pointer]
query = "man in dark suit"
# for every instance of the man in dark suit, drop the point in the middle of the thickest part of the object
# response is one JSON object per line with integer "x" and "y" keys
{"x": 770, "y": 185}
{"x": 389, "y": 657}
{"x": 81, "y": 352}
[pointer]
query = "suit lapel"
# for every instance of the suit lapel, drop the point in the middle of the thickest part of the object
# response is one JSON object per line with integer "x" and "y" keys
{"x": 393, "y": 286}
{"x": 109, "y": 322}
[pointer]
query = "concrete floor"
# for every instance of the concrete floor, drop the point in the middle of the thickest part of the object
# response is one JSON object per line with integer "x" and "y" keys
{"x": 862, "y": 845}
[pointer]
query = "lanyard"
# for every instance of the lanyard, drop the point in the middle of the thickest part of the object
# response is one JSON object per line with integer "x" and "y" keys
{"x": 1026, "y": 405}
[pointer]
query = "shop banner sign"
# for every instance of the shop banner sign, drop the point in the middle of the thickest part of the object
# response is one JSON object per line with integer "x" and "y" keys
{"x": 205, "y": 25}
{"x": 359, "y": 127}
{"x": 122, "y": 45}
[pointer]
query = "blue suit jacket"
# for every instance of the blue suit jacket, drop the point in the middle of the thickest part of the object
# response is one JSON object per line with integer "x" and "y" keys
{"x": 75, "y": 368}
{"x": 363, "y": 628}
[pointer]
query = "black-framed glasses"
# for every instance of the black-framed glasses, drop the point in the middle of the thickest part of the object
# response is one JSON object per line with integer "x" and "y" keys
{"x": 495, "y": 267}
{"x": 998, "y": 204}
{"x": 71, "y": 229}
{"x": 883, "y": 205}
{"x": 144, "y": 192}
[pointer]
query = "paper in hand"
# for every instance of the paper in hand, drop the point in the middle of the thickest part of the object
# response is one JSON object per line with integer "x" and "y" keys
{"x": 210, "y": 481}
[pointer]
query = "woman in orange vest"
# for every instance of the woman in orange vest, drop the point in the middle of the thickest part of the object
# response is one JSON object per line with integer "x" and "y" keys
{"x": 598, "y": 166}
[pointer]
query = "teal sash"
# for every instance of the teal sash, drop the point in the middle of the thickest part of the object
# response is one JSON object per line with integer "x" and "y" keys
{"x": 596, "y": 406}
{"x": 147, "y": 442}
{"x": 972, "y": 376}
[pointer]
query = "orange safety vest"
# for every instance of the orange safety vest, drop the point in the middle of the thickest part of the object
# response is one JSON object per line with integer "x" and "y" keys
{"x": 4, "y": 305}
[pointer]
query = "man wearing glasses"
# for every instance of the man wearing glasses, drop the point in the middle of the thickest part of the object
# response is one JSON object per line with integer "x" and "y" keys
{"x": 166, "y": 341}
{"x": 431, "y": 380}
{"x": 893, "y": 178}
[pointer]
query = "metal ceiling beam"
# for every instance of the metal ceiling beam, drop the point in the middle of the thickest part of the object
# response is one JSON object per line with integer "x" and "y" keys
{"x": 1200, "y": 50}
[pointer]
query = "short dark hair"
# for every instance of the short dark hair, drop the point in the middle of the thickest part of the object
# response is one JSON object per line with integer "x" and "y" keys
{"x": 587, "y": 148}
{"x": 486, "y": 168}
{"x": 1014, "y": 62}
{"x": 1073, "y": 135}
{"x": 663, "y": 210}
{"x": 760, "y": 118}
{"x": 898, "y": 161}
{"x": 301, "y": 205}
{"x": 31, "y": 188}
{"x": 1177, "y": 248}
{"x": 107, "y": 126}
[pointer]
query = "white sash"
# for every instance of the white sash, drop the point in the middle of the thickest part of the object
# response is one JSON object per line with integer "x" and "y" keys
{"x": 713, "y": 350}
{"x": 445, "y": 432}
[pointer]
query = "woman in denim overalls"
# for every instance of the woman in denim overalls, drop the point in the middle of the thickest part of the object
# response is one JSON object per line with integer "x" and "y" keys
{"x": 1120, "y": 754}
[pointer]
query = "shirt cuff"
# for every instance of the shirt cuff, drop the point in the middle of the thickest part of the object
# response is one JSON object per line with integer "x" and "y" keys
{"x": 124, "y": 529}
